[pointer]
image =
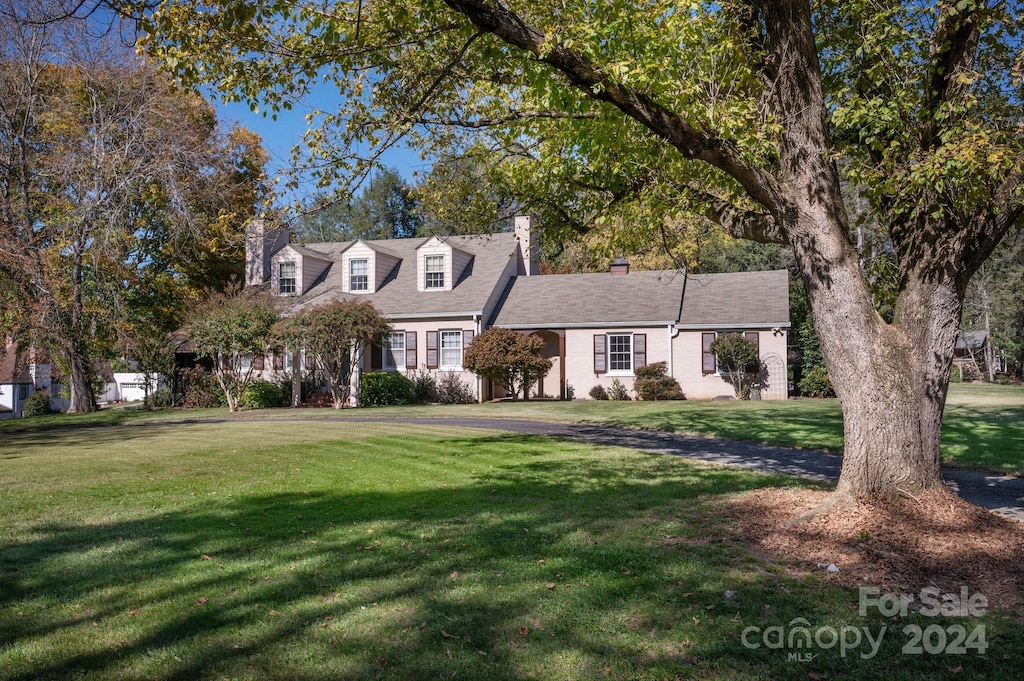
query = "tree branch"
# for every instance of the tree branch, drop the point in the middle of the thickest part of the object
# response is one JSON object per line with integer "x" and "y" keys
{"x": 512, "y": 117}
{"x": 583, "y": 74}
{"x": 741, "y": 224}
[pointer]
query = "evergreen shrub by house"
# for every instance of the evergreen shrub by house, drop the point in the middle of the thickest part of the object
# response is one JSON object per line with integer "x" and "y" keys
{"x": 618, "y": 391}
{"x": 385, "y": 389}
{"x": 158, "y": 399}
{"x": 37, "y": 404}
{"x": 261, "y": 394}
{"x": 653, "y": 383}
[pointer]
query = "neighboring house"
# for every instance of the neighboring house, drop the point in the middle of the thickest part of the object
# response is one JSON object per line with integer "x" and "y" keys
{"x": 23, "y": 373}
{"x": 128, "y": 386}
{"x": 439, "y": 293}
{"x": 974, "y": 348}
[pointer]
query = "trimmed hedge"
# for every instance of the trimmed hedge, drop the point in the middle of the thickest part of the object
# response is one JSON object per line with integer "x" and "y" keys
{"x": 385, "y": 389}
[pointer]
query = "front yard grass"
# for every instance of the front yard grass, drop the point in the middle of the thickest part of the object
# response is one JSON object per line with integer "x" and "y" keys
{"x": 333, "y": 550}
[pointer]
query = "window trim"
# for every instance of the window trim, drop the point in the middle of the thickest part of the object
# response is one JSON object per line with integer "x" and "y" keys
{"x": 365, "y": 288}
{"x": 428, "y": 272}
{"x": 628, "y": 352}
{"x": 386, "y": 349}
{"x": 441, "y": 349}
{"x": 294, "y": 278}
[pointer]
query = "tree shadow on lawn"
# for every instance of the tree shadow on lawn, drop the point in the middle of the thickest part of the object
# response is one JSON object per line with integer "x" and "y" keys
{"x": 582, "y": 567}
{"x": 987, "y": 439}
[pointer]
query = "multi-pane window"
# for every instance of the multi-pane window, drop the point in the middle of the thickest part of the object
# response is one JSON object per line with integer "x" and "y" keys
{"x": 286, "y": 278}
{"x": 358, "y": 279}
{"x": 394, "y": 350}
{"x": 620, "y": 352}
{"x": 451, "y": 349}
{"x": 433, "y": 265}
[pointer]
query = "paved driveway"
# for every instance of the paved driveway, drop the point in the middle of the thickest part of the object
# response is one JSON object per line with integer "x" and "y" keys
{"x": 1001, "y": 493}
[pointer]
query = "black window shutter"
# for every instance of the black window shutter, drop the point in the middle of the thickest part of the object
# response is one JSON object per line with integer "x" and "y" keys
{"x": 376, "y": 357}
{"x": 600, "y": 354}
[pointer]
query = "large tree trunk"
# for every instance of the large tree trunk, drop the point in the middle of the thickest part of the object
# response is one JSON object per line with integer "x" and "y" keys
{"x": 891, "y": 379}
{"x": 83, "y": 400}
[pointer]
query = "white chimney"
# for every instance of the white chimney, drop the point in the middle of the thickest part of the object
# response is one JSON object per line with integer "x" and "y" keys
{"x": 260, "y": 244}
{"x": 529, "y": 247}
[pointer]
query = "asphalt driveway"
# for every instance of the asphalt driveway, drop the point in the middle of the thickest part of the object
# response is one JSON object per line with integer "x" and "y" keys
{"x": 1000, "y": 493}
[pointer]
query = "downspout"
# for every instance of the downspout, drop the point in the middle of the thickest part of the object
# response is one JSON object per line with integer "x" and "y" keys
{"x": 477, "y": 323}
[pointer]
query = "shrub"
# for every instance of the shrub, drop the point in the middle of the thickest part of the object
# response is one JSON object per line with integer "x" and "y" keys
{"x": 452, "y": 390}
{"x": 598, "y": 393}
{"x": 618, "y": 391}
{"x": 260, "y": 394}
{"x": 159, "y": 399}
{"x": 199, "y": 389}
{"x": 816, "y": 383}
{"x": 385, "y": 389}
{"x": 570, "y": 392}
{"x": 424, "y": 387}
{"x": 37, "y": 404}
{"x": 954, "y": 374}
{"x": 653, "y": 383}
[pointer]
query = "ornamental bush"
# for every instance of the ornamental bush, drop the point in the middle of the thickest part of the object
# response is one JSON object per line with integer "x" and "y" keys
{"x": 37, "y": 404}
{"x": 261, "y": 394}
{"x": 424, "y": 387}
{"x": 451, "y": 389}
{"x": 385, "y": 389}
{"x": 598, "y": 393}
{"x": 653, "y": 383}
{"x": 618, "y": 391}
{"x": 158, "y": 399}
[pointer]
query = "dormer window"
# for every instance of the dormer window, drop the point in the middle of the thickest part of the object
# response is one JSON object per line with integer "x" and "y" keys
{"x": 358, "y": 275}
{"x": 433, "y": 266}
{"x": 286, "y": 278}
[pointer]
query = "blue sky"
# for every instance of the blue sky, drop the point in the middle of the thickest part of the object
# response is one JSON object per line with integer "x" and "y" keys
{"x": 279, "y": 136}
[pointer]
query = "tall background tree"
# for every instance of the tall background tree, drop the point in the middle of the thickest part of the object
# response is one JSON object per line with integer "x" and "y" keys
{"x": 384, "y": 209}
{"x": 734, "y": 111}
{"x": 118, "y": 195}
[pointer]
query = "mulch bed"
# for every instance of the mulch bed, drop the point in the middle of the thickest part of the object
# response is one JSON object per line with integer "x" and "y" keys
{"x": 937, "y": 540}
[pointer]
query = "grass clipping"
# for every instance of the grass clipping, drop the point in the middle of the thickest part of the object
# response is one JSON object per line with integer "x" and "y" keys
{"x": 938, "y": 541}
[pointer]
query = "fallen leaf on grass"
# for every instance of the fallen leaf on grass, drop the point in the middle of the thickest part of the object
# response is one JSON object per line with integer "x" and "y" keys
{"x": 445, "y": 634}
{"x": 202, "y": 600}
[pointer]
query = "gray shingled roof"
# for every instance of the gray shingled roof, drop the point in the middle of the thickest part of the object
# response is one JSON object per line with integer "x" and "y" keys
{"x": 398, "y": 296}
{"x": 738, "y": 299}
{"x": 580, "y": 299}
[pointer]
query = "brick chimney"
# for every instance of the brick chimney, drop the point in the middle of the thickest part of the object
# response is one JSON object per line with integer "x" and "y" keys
{"x": 529, "y": 247}
{"x": 620, "y": 267}
{"x": 260, "y": 244}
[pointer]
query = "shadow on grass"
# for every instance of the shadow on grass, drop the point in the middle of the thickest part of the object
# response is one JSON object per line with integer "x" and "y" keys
{"x": 985, "y": 438}
{"x": 541, "y": 568}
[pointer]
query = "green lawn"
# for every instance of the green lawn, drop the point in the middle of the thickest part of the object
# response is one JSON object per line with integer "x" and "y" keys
{"x": 333, "y": 550}
{"x": 983, "y": 426}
